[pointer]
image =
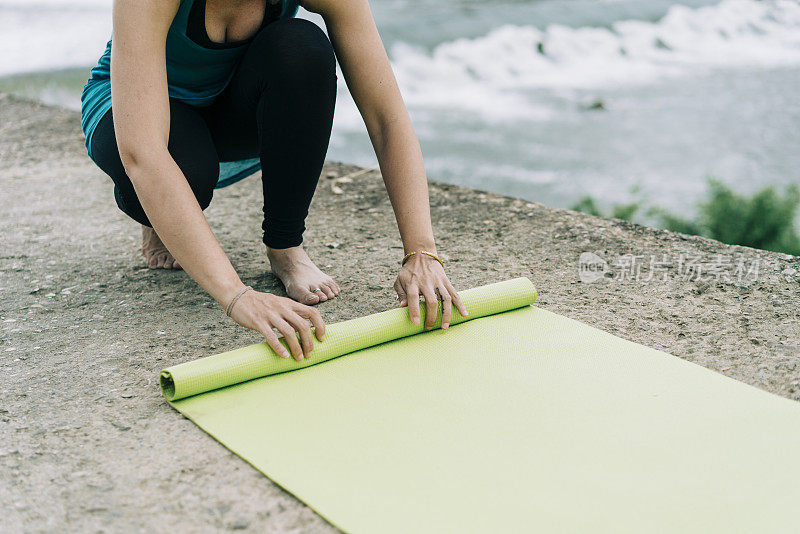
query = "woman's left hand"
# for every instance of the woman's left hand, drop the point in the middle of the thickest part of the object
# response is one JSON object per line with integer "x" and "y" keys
{"x": 423, "y": 275}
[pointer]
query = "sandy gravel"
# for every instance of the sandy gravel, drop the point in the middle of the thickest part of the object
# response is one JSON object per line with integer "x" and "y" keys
{"x": 86, "y": 441}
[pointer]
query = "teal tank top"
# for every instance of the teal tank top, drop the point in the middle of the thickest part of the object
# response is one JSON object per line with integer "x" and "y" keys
{"x": 195, "y": 75}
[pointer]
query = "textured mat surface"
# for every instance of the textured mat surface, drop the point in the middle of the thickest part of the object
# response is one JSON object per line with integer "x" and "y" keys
{"x": 518, "y": 420}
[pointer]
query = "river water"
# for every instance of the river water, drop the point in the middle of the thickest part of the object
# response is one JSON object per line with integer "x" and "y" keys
{"x": 548, "y": 100}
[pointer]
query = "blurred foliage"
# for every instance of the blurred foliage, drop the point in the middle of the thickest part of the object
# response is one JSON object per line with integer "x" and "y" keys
{"x": 619, "y": 211}
{"x": 625, "y": 211}
{"x": 587, "y": 205}
{"x": 765, "y": 220}
{"x": 675, "y": 223}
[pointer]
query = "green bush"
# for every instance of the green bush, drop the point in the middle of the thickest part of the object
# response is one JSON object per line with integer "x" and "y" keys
{"x": 676, "y": 223}
{"x": 587, "y": 205}
{"x": 625, "y": 211}
{"x": 619, "y": 211}
{"x": 765, "y": 220}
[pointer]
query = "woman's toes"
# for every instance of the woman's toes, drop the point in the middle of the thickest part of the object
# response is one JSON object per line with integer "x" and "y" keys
{"x": 326, "y": 288}
{"x": 323, "y": 294}
{"x": 303, "y": 295}
{"x": 176, "y": 265}
{"x": 330, "y": 286}
{"x": 333, "y": 286}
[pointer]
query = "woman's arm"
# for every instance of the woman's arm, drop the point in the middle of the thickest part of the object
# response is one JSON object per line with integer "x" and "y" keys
{"x": 141, "y": 122}
{"x": 371, "y": 81}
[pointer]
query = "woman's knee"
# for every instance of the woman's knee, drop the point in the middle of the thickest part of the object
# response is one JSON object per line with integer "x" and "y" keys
{"x": 296, "y": 50}
{"x": 192, "y": 148}
{"x": 202, "y": 174}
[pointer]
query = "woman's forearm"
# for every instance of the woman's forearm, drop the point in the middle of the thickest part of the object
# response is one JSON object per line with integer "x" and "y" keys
{"x": 400, "y": 159}
{"x": 176, "y": 217}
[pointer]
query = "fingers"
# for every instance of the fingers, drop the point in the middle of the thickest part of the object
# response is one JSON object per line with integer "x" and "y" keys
{"x": 266, "y": 313}
{"x": 302, "y": 327}
{"x": 412, "y": 298}
{"x": 431, "y": 307}
{"x": 290, "y": 337}
{"x": 298, "y": 320}
{"x": 312, "y": 314}
{"x": 408, "y": 293}
{"x": 446, "y": 306}
{"x": 401, "y": 293}
{"x": 273, "y": 341}
{"x": 456, "y": 299}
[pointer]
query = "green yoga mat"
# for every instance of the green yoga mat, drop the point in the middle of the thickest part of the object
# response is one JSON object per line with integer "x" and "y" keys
{"x": 516, "y": 420}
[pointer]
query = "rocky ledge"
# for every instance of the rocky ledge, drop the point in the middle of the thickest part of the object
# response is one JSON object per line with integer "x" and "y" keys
{"x": 87, "y": 442}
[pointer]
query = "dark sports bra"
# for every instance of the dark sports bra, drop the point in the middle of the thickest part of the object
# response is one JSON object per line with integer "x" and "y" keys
{"x": 196, "y": 24}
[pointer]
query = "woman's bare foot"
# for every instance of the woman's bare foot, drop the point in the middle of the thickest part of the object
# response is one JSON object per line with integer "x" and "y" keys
{"x": 155, "y": 253}
{"x": 300, "y": 276}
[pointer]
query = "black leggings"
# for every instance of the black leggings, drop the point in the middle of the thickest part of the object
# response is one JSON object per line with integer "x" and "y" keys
{"x": 278, "y": 107}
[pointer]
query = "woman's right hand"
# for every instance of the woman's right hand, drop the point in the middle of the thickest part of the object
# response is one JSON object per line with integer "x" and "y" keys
{"x": 264, "y": 312}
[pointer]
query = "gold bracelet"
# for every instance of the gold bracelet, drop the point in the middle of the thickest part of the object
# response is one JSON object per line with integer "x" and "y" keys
{"x": 431, "y": 254}
{"x": 235, "y": 299}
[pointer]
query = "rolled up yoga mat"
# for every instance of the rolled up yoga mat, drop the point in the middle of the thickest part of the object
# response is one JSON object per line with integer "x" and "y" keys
{"x": 343, "y": 338}
{"x": 513, "y": 420}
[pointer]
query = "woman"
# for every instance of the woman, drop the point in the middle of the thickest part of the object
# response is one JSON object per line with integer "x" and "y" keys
{"x": 207, "y": 91}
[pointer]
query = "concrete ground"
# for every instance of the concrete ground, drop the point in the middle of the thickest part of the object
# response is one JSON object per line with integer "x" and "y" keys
{"x": 87, "y": 444}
